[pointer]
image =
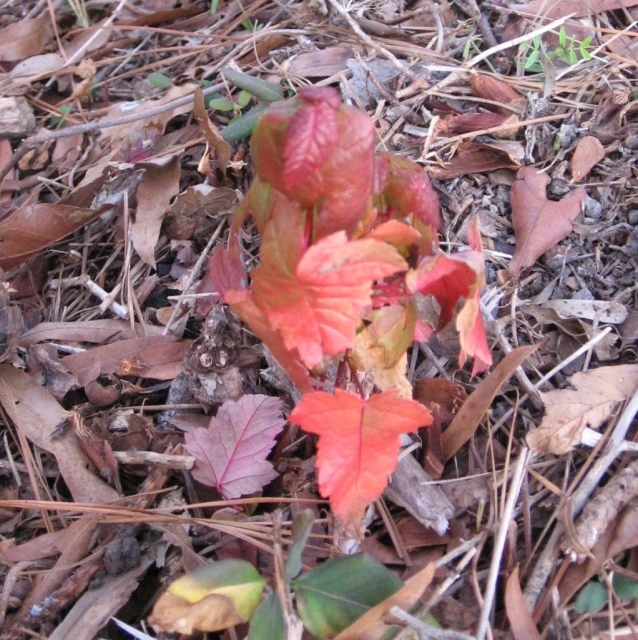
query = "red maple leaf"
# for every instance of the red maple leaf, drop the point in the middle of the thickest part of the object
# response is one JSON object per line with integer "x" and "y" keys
{"x": 358, "y": 443}
{"x": 317, "y": 307}
{"x": 231, "y": 454}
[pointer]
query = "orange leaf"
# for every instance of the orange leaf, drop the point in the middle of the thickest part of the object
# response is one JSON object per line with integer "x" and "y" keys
{"x": 521, "y": 622}
{"x": 358, "y": 443}
{"x": 317, "y": 308}
{"x": 539, "y": 223}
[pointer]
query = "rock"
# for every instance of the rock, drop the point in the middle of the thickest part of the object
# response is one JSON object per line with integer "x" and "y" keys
{"x": 17, "y": 119}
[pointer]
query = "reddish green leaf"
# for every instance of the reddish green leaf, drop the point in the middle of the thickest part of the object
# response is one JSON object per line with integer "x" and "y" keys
{"x": 393, "y": 328}
{"x": 358, "y": 443}
{"x": 317, "y": 308}
{"x": 231, "y": 454}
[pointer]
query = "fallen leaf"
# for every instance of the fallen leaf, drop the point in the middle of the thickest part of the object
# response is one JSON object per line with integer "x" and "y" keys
{"x": 469, "y": 416}
{"x": 521, "y": 622}
{"x": 588, "y": 153}
{"x": 34, "y": 227}
{"x": 39, "y": 414}
{"x": 491, "y": 88}
{"x": 160, "y": 183}
{"x": 479, "y": 157}
{"x": 371, "y": 626}
{"x": 539, "y": 223}
{"x": 231, "y": 454}
{"x": 358, "y": 444}
{"x": 35, "y": 65}
{"x": 552, "y": 11}
{"x": 322, "y": 63}
{"x": 471, "y": 121}
{"x": 161, "y": 361}
{"x": 325, "y": 294}
{"x": 596, "y": 394}
{"x": 601, "y": 311}
{"x": 25, "y": 38}
{"x": 210, "y": 131}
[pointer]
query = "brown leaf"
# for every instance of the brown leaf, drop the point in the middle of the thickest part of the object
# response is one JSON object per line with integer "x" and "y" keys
{"x": 478, "y": 157}
{"x": 539, "y": 223}
{"x": 34, "y": 227}
{"x": 111, "y": 356}
{"x": 371, "y": 625}
{"x": 39, "y": 414}
{"x": 25, "y": 38}
{"x": 491, "y": 88}
{"x": 321, "y": 64}
{"x": 163, "y": 361}
{"x": 210, "y": 131}
{"x": 474, "y": 408}
{"x": 160, "y": 183}
{"x": 596, "y": 394}
{"x": 521, "y": 622}
{"x": 472, "y": 121}
{"x": 589, "y": 152}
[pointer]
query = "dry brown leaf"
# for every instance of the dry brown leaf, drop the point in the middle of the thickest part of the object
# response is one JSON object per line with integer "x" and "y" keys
{"x": 321, "y": 64}
{"x": 589, "y": 152}
{"x": 110, "y": 356}
{"x": 20, "y": 40}
{"x": 210, "y": 131}
{"x": 371, "y": 625}
{"x": 491, "y": 88}
{"x": 521, "y": 622}
{"x": 34, "y": 227}
{"x": 554, "y": 10}
{"x": 39, "y": 414}
{"x": 163, "y": 361}
{"x": 595, "y": 395}
{"x": 473, "y": 121}
{"x": 477, "y": 157}
{"x": 35, "y": 65}
{"x": 539, "y": 223}
{"x": 160, "y": 183}
{"x": 474, "y": 408}
{"x": 95, "y": 331}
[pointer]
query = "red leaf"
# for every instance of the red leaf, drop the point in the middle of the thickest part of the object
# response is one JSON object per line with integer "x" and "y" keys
{"x": 231, "y": 453}
{"x": 406, "y": 187}
{"x": 358, "y": 443}
{"x": 225, "y": 271}
{"x": 312, "y": 133}
{"x": 450, "y": 278}
{"x": 539, "y": 223}
{"x": 317, "y": 308}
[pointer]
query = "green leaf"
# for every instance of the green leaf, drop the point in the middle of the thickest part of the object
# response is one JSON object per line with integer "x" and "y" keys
{"x": 267, "y": 622}
{"x": 243, "y": 126}
{"x": 531, "y": 60}
{"x": 221, "y": 104}
{"x": 300, "y": 531}
{"x": 334, "y": 595}
{"x": 625, "y": 588}
{"x": 592, "y": 598}
{"x": 238, "y": 580}
{"x": 562, "y": 38}
{"x": 261, "y": 89}
{"x": 214, "y": 4}
{"x": 159, "y": 80}
{"x": 244, "y": 98}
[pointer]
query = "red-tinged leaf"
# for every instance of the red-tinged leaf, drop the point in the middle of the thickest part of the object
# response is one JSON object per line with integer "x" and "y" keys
{"x": 521, "y": 621}
{"x": 340, "y": 186}
{"x": 317, "y": 308}
{"x": 491, "y": 88}
{"x": 477, "y": 121}
{"x": 313, "y": 132}
{"x": 358, "y": 443}
{"x": 406, "y": 188}
{"x": 243, "y": 304}
{"x": 225, "y": 272}
{"x": 231, "y": 454}
{"x": 539, "y": 223}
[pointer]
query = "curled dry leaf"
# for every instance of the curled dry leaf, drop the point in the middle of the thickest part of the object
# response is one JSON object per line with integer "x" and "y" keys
{"x": 589, "y": 152}
{"x": 539, "y": 223}
{"x": 595, "y": 395}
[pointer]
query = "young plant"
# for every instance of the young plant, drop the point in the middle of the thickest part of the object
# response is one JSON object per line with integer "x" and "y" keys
{"x": 349, "y": 248}
{"x": 567, "y": 50}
